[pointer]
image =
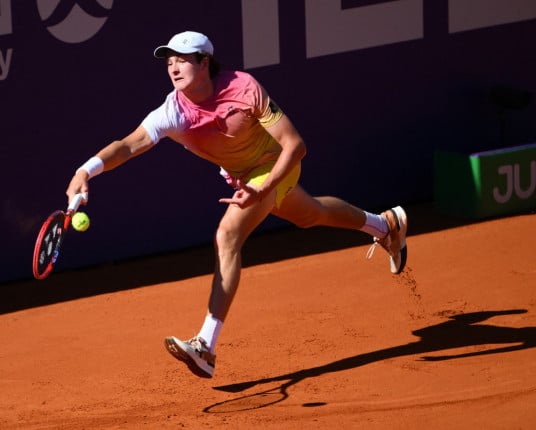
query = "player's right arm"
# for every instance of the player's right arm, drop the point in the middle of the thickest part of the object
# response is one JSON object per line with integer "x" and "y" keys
{"x": 108, "y": 158}
{"x": 120, "y": 151}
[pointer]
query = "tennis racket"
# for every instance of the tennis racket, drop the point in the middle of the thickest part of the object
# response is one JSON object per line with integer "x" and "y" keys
{"x": 51, "y": 236}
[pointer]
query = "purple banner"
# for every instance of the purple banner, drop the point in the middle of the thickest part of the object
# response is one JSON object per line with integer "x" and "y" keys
{"x": 374, "y": 87}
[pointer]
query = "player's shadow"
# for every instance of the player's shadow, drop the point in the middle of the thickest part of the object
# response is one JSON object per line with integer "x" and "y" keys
{"x": 462, "y": 330}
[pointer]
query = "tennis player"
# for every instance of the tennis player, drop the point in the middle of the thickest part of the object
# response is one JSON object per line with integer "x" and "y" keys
{"x": 228, "y": 118}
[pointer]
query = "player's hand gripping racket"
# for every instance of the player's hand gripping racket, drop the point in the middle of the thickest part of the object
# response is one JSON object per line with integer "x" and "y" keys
{"x": 50, "y": 238}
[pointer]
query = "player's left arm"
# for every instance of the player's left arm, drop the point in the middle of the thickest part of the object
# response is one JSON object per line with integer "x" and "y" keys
{"x": 292, "y": 152}
{"x": 279, "y": 126}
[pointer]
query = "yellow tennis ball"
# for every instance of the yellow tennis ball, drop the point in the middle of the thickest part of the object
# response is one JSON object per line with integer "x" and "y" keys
{"x": 80, "y": 221}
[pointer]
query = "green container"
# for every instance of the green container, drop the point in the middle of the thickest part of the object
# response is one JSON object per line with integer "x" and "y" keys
{"x": 486, "y": 184}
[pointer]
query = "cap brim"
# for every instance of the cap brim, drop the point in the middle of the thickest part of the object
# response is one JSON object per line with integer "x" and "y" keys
{"x": 161, "y": 51}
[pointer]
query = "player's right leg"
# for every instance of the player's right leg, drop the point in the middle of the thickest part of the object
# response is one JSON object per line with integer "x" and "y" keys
{"x": 235, "y": 227}
{"x": 194, "y": 353}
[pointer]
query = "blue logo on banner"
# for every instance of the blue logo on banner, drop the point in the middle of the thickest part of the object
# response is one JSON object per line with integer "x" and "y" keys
{"x": 69, "y": 21}
{"x": 74, "y": 21}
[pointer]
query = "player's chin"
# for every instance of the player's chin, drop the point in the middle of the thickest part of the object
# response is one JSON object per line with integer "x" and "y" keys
{"x": 180, "y": 85}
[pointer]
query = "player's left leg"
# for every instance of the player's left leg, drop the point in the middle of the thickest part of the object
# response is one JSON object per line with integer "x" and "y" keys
{"x": 388, "y": 228}
{"x": 305, "y": 211}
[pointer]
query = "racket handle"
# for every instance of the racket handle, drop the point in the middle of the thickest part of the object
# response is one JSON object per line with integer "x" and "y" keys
{"x": 76, "y": 200}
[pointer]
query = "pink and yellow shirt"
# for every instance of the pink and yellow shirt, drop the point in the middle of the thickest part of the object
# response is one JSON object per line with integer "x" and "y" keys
{"x": 227, "y": 129}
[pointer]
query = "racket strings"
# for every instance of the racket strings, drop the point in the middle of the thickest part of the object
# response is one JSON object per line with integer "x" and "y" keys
{"x": 49, "y": 246}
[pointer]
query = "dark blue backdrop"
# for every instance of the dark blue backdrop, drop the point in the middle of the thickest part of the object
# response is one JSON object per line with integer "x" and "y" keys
{"x": 371, "y": 117}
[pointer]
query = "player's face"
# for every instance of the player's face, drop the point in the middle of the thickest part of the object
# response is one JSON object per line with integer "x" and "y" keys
{"x": 186, "y": 73}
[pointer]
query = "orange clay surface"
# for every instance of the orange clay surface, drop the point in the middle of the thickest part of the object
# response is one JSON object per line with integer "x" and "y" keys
{"x": 318, "y": 337}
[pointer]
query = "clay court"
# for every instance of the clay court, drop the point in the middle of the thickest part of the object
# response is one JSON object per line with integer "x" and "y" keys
{"x": 318, "y": 336}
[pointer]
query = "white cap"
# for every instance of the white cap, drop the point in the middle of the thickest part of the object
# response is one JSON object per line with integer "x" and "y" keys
{"x": 186, "y": 42}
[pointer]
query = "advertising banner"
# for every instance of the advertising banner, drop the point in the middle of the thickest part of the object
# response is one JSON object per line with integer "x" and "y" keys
{"x": 486, "y": 184}
{"x": 373, "y": 87}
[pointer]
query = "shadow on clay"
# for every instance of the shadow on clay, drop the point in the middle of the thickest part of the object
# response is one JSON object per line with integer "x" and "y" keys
{"x": 462, "y": 330}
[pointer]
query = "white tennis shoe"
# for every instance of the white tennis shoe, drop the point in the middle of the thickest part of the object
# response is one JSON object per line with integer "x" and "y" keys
{"x": 395, "y": 241}
{"x": 195, "y": 353}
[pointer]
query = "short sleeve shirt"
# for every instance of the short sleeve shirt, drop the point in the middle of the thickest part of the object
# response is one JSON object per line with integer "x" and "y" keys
{"x": 227, "y": 129}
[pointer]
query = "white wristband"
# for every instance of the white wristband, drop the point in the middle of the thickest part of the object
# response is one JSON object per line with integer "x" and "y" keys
{"x": 94, "y": 166}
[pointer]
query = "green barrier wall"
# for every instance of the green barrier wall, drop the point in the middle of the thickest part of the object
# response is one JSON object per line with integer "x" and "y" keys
{"x": 486, "y": 184}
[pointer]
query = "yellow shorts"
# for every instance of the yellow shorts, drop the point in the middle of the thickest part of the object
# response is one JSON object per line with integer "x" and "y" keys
{"x": 259, "y": 174}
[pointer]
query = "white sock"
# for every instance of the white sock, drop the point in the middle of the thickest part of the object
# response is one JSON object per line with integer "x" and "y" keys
{"x": 210, "y": 331}
{"x": 375, "y": 225}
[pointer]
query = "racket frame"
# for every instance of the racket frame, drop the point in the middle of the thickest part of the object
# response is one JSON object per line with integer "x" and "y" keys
{"x": 56, "y": 224}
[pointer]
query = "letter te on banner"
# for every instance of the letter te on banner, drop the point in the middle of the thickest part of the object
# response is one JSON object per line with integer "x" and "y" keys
{"x": 330, "y": 29}
{"x": 260, "y": 32}
{"x": 6, "y": 23}
{"x": 467, "y": 15}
